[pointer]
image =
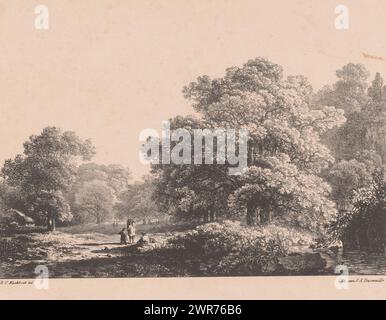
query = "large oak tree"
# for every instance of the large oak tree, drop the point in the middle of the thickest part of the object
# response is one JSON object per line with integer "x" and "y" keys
{"x": 285, "y": 154}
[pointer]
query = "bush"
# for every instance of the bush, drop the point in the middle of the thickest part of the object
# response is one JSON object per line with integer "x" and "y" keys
{"x": 362, "y": 228}
{"x": 229, "y": 248}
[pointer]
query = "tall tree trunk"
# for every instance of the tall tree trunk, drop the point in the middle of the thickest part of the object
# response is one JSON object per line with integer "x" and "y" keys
{"x": 265, "y": 216}
{"x": 206, "y": 216}
{"x": 48, "y": 223}
{"x": 212, "y": 215}
{"x": 250, "y": 214}
{"x": 251, "y": 158}
{"x": 98, "y": 219}
{"x": 53, "y": 223}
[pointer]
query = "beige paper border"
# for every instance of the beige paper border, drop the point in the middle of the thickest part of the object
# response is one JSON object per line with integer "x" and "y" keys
{"x": 235, "y": 288}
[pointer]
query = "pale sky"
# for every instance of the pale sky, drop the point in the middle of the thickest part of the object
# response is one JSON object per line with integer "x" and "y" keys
{"x": 108, "y": 69}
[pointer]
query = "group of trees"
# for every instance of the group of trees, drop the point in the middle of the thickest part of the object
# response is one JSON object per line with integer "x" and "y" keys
{"x": 286, "y": 158}
{"x": 136, "y": 201}
{"x": 359, "y": 148}
{"x": 96, "y": 190}
{"x": 39, "y": 178}
{"x": 311, "y": 156}
{"x": 54, "y": 182}
{"x": 359, "y": 145}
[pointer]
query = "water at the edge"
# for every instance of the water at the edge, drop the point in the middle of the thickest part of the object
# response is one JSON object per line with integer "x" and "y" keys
{"x": 363, "y": 263}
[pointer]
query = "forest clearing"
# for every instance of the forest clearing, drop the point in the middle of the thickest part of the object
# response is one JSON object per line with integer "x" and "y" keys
{"x": 94, "y": 251}
{"x": 79, "y": 251}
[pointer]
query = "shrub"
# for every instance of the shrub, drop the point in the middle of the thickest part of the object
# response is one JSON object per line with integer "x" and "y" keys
{"x": 231, "y": 248}
{"x": 363, "y": 226}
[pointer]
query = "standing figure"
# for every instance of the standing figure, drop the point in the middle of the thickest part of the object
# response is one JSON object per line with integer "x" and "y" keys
{"x": 131, "y": 232}
{"x": 124, "y": 236}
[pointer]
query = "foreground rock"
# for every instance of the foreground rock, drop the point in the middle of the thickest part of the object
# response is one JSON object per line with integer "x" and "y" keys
{"x": 302, "y": 263}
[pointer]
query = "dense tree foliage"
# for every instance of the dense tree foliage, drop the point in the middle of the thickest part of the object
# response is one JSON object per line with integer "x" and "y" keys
{"x": 285, "y": 155}
{"x": 116, "y": 176}
{"x": 349, "y": 176}
{"x": 45, "y": 171}
{"x": 193, "y": 190}
{"x": 363, "y": 227}
{"x": 136, "y": 201}
{"x": 348, "y": 92}
{"x": 359, "y": 147}
{"x": 95, "y": 199}
{"x": 95, "y": 191}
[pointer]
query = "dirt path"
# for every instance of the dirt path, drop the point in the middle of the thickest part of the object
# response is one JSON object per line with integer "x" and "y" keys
{"x": 27, "y": 251}
{"x": 91, "y": 251}
{"x": 83, "y": 251}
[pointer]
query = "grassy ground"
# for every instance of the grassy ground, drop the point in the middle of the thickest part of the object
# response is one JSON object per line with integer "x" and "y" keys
{"x": 87, "y": 251}
{"x": 94, "y": 251}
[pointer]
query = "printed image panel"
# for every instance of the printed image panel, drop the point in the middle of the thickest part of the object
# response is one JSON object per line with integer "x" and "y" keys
{"x": 169, "y": 139}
